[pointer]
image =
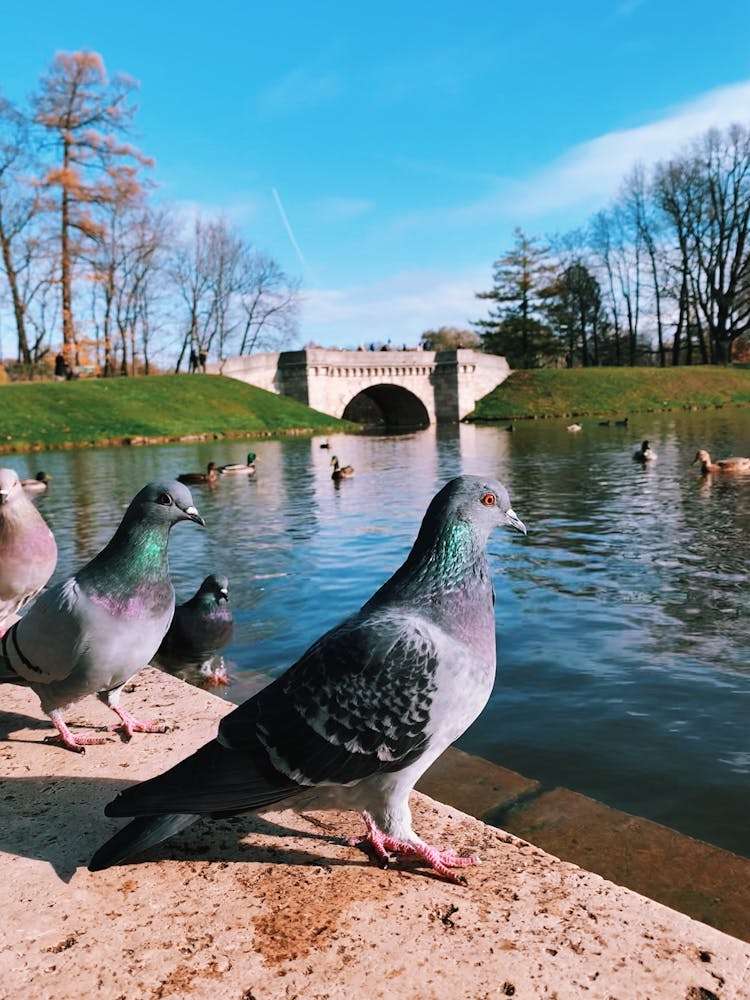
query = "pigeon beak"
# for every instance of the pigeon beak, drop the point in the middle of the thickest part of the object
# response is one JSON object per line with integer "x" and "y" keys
{"x": 224, "y": 595}
{"x": 3, "y": 496}
{"x": 514, "y": 520}
{"x": 193, "y": 514}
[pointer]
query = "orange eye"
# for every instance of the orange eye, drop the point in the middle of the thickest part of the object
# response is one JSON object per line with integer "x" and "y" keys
{"x": 489, "y": 499}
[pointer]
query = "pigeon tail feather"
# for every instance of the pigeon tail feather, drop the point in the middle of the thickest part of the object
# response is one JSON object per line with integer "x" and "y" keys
{"x": 137, "y": 836}
{"x": 212, "y": 780}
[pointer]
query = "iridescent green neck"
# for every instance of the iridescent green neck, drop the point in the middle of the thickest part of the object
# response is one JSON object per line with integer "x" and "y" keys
{"x": 136, "y": 554}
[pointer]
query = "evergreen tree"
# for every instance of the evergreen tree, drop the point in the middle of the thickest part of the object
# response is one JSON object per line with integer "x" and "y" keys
{"x": 515, "y": 326}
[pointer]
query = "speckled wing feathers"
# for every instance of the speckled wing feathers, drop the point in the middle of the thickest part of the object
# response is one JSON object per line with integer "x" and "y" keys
{"x": 355, "y": 704}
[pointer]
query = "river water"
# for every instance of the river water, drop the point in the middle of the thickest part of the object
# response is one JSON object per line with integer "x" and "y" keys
{"x": 622, "y": 618}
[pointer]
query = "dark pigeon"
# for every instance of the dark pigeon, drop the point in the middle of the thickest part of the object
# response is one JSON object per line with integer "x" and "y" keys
{"x": 358, "y": 719}
{"x": 200, "y": 628}
{"x": 92, "y": 632}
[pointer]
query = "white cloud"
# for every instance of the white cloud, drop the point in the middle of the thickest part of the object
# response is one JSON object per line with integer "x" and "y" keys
{"x": 340, "y": 209}
{"x": 401, "y": 308}
{"x": 595, "y": 169}
{"x": 237, "y": 213}
{"x": 299, "y": 89}
{"x": 589, "y": 174}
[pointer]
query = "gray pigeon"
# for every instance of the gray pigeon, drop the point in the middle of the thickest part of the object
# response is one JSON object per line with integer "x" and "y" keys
{"x": 92, "y": 632}
{"x": 199, "y": 629}
{"x": 28, "y": 552}
{"x": 365, "y": 711}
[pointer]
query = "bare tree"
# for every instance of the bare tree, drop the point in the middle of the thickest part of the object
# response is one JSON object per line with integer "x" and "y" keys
{"x": 640, "y": 207}
{"x": 85, "y": 116}
{"x": 18, "y": 208}
{"x": 268, "y": 302}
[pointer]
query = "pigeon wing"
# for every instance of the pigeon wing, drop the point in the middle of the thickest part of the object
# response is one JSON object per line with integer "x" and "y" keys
{"x": 44, "y": 646}
{"x": 356, "y": 703}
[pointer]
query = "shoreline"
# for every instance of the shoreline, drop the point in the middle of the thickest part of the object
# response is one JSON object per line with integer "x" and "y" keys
{"x": 138, "y": 440}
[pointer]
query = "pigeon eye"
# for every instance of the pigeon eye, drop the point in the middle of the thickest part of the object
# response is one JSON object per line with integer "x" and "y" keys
{"x": 489, "y": 499}
{"x": 165, "y": 499}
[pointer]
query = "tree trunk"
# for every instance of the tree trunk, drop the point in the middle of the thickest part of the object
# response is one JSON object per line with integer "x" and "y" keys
{"x": 24, "y": 353}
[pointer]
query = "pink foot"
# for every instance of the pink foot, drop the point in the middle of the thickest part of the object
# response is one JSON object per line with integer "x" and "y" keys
{"x": 77, "y": 742}
{"x": 217, "y": 680}
{"x": 439, "y": 861}
{"x": 130, "y": 724}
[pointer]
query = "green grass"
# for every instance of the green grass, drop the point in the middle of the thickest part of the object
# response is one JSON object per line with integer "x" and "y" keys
{"x": 167, "y": 407}
{"x": 584, "y": 391}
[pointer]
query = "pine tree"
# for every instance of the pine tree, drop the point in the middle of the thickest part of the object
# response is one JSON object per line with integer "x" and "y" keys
{"x": 516, "y": 326}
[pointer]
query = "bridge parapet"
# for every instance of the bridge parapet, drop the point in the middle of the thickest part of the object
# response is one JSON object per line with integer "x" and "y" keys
{"x": 446, "y": 383}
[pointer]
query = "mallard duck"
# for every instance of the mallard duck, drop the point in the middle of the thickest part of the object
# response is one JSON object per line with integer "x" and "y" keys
{"x": 621, "y": 423}
{"x": 209, "y": 476}
{"x": 644, "y": 453}
{"x": 734, "y": 464}
{"x": 574, "y": 428}
{"x": 38, "y": 484}
{"x": 238, "y": 467}
{"x": 341, "y": 471}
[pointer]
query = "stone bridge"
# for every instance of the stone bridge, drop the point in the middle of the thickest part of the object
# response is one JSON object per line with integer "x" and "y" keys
{"x": 402, "y": 389}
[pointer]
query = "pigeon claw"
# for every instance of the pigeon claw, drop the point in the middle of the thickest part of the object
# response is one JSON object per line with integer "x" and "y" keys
{"x": 440, "y": 861}
{"x": 129, "y": 724}
{"x": 77, "y": 742}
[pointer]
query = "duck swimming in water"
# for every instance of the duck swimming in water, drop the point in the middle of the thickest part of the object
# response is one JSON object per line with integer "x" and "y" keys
{"x": 209, "y": 476}
{"x": 734, "y": 464}
{"x": 239, "y": 467}
{"x": 341, "y": 471}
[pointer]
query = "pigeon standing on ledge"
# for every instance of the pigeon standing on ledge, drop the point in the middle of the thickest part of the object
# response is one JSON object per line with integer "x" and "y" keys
{"x": 199, "y": 629}
{"x": 92, "y": 632}
{"x": 358, "y": 719}
{"x": 28, "y": 551}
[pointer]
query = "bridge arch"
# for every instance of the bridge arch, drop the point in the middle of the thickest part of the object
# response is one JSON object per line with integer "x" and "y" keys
{"x": 389, "y": 405}
{"x": 410, "y": 388}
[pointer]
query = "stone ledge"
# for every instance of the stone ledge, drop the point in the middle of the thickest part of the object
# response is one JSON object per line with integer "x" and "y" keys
{"x": 280, "y": 907}
{"x": 696, "y": 878}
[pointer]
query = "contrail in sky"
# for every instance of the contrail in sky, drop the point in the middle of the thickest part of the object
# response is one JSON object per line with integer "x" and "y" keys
{"x": 288, "y": 228}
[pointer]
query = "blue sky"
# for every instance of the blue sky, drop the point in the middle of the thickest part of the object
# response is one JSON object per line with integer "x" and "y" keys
{"x": 404, "y": 142}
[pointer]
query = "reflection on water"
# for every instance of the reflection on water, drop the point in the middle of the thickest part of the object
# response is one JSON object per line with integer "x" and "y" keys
{"x": 622, "y": 616}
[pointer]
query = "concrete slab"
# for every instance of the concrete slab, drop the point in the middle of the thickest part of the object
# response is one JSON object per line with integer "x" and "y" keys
{"x": 280, "y": 907}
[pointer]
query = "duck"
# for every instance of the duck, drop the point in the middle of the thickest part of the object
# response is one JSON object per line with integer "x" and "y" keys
{"x": 341, "y": 471}
{"x": 621, "y": 423}
{"x": 326, "y": 444}
{"x": 644, "y": 453}
{"x": 574, "y": 428}
{"x": 734, "y": 464}
{"x": 38, "y": 484}
{"x": 209, "y": 476}
{"x": 239, "y": 467}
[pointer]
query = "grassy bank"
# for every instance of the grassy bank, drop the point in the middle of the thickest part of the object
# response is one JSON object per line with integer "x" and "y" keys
{"x": 157, "y": 407}
{"x": 584, "y": 391}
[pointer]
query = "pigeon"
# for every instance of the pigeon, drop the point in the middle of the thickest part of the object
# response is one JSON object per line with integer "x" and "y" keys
{"x": 199, "y": 629}
{"x": 90, "y": 633}
{"x": 365, "y": 711}
{"x": 28, "y": 551}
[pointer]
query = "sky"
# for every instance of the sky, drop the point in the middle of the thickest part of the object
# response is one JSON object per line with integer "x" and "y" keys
{"x": 384, "y": 153}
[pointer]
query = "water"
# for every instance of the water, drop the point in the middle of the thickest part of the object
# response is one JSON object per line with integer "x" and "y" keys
{"x": 622, "y": 619}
